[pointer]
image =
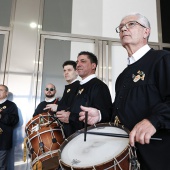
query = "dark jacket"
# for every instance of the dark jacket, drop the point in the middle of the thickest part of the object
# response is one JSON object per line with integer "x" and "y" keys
{"x": 8, "y": 119}
{"x": 143, "y": 91}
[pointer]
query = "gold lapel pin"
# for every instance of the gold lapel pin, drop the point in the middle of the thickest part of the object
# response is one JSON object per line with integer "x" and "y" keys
{"x": 68, "y": 90}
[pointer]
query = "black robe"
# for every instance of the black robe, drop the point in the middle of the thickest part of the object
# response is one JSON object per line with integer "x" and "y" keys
{"x": 8, "y": 119}
{"x": 66, "y": 101}
{"x": 70, "y": 92}
{"x": 42, "y": 105}
{"x": 94, "y": 93}
{"x": 143, "y": 91}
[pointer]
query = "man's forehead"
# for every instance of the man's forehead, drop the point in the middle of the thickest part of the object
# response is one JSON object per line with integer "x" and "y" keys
{"x": 2, "y": 87}
{"x": 81, "y": 57}
{"x": 50, "y": 85}
{"x": 128, "y": 18}
{"x": 68, "y": 66}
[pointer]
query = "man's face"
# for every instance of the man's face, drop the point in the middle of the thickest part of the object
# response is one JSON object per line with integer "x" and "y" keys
{"x": 84, "y": 66}
{"x": 70, "y": 73}
{"x": 135, "y": 35}
{"x": 50, "y": 91}
{"x": 3, "y": 93}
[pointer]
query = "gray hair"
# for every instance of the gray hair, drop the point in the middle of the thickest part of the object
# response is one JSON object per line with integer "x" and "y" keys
{"x": 141, "y": 19}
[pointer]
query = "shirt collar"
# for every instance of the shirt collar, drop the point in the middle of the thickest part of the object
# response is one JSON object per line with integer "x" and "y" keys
{"x": 74, "y": 80}
{"x": 87, "y": 79}
{"x": 49, "y": 100}
{"x": 2, "y": 101}
{"x": 138, "y": 54}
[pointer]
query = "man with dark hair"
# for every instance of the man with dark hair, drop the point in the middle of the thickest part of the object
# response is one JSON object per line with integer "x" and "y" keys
{"x": 8, "y": 119}
{"x": 70, "y": 91}
{"x": 70, "y": 75}
{"x": 50, "y": 103}
{"x": 92, "y": 93}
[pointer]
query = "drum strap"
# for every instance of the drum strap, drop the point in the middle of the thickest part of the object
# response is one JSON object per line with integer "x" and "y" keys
{"x": 56, "y": 100}
{"x": 25, "y": 149}
{"x": 37, "y": 166}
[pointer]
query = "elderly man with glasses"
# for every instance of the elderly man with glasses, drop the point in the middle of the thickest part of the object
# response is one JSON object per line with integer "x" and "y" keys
{"x": 142, "y": 101}
{"x": 50, "y": 103}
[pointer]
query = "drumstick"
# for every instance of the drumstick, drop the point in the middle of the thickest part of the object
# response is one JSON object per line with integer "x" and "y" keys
{"x": 56, "y": 119}
{"x": 86, "y": 117}
{"x": 85, "y": 126}
{"x": 116, "y": 135}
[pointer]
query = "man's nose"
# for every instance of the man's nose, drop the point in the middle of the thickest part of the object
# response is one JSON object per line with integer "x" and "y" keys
{"x": 123, "y": 28}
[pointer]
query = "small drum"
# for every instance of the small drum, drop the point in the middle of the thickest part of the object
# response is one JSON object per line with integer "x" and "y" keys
{"x": 44, "y": 141}
{"x": 98, "y": 152}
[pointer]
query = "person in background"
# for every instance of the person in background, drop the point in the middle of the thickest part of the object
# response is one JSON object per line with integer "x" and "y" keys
{"x": 8, "y": 119}
{"x": 70, "y": 91}
{"x": 50, "y": 103}
{"x": 70, "y": 75}
{"x": 142, "y": 101}
{"x": 92, "y": 92}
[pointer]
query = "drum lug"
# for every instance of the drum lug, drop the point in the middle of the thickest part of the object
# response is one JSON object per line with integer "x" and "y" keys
{"x": 41, "y": 144}
{"x": 31, "y": 150}
{"x": 54, "y": 140}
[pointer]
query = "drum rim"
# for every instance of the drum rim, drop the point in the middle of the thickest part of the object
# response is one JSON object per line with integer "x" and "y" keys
{"x": 109, "y": 124}
{"x": 35, "y": 117}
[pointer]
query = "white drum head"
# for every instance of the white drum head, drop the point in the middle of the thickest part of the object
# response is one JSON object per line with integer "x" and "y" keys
{"x": 96, "y": 149}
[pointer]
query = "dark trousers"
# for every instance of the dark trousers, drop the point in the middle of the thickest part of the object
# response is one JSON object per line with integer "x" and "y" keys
{"x": 3, "y": 159}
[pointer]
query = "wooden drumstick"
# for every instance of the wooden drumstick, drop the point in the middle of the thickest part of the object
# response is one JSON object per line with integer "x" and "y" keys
{"x": 85, "y": 125}
{"x": 117, "y": 135}
{"x": 56, "y": 119}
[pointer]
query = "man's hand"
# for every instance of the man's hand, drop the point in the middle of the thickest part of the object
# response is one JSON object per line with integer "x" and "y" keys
{"x": 93, "y": 115}
{"x": 142, "y": 132}
{"x": 53, "y": 107}
{"x": 63, "y": 116}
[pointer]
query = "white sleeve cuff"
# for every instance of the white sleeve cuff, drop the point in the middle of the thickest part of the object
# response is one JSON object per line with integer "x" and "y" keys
{"x": 100, "y": 116}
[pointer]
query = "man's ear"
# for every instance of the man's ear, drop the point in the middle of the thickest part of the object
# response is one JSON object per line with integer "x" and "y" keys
{"x": 146, "y": 33}
{"x": 93, "y": 66}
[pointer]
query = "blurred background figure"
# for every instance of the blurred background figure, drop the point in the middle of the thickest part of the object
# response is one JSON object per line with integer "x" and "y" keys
{"x": 70, "y": 91}
{"x": 8, "y": 119}
{"x": 50, "y": 103}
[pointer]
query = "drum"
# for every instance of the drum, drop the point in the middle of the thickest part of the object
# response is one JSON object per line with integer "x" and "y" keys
{"x": 98, "y": 152}
{"x": 44, "y": 141}
{"x": 39, "y": 121}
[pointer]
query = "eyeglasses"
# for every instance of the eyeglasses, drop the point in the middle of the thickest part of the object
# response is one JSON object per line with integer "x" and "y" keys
{"x": 49, "y": 89}
{"x": 128, "y": 25}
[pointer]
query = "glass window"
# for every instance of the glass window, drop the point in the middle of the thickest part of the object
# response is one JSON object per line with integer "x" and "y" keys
{"x": 5, "y": 12}
{"x": 57, "y": 16}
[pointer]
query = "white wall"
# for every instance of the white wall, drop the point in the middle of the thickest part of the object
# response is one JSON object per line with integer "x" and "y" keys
{"x": 114, "y": 11}
{"x": 101, "y": 17}
{"x": 87, "y": 17}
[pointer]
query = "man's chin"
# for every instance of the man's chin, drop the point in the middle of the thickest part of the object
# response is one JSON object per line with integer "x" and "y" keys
{"x": 49, "y": 96}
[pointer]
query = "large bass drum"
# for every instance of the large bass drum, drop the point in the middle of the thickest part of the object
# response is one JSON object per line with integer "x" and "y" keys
{"x": 98, "y": 152}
